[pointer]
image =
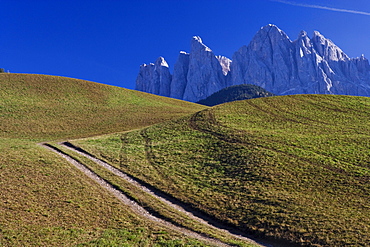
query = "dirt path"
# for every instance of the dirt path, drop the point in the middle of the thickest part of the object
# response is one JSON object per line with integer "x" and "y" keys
{"x": 172, "y": 202}
{"x": 148, "y": 189}
{"x": 133, "y": 205}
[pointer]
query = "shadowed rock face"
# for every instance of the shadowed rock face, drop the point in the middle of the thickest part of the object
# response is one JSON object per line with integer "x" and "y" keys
{"x": 154, "y": 78}
{"x": 272, "y": 61}
{"x": 180, "y": 74}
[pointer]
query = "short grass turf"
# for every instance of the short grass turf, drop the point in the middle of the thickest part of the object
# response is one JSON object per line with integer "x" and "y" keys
{"x": 156, "y": 206}
{"x": 50, "y": 107}
{"x": 44, "y": 200}
{"x": 290, "y": 167}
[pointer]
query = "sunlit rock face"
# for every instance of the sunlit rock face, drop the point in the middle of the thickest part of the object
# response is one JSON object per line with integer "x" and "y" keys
{"x": 205, "y": 75}
{"x": 196, "y": 75}
{"x": 267, "y": 61}
{"x": 303, "y": 66}
{"x": 271, "y": 60}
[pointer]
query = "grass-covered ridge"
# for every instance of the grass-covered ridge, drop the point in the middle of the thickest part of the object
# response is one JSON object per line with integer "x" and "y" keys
{"x": 51, "y": 107}
{"x": 291, "y": 167}
{"x": 44, "y": 200}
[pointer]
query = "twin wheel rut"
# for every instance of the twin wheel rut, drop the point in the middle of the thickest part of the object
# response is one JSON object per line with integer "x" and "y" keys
{"x": 171, "y": 202}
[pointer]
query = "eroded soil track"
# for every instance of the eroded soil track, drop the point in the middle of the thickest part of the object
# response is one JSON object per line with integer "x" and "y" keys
{"x": 147, "y": 189}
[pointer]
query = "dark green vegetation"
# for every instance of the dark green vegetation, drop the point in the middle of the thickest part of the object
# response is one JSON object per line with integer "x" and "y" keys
{"x": 292, "y": 167}
{"x": 45, "y": 201}
{"x": 233, "y": 93}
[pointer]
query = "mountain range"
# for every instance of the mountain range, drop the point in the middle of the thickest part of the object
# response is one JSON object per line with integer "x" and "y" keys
{"x": 271, "y": 60}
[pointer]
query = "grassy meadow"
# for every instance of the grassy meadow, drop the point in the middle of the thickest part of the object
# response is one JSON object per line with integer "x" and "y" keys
{"x": 45, "y": 201}
{"x": 290, "y": 167}
{"x": 42, "y": 107}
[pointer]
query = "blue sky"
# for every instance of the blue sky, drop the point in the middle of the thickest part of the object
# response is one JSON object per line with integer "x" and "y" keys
{"x": 106, "y": 40}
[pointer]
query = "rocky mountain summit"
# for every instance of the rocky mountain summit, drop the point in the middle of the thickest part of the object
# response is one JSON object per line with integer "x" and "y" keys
{"x": 155, "y": 78}
{"x": 271, "y": 60}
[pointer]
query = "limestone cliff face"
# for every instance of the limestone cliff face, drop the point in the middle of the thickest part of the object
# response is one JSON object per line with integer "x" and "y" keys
{"x": 225, "y": 64}
{"x": 154, "y": 78}
{"x": 271, "y": 60}
{"x": 268, "y": 61}
{"x": 205, "y": 75}
{"x": 305, "y": 65}
{"x": 180, "y": 74}
{"x": 196, "y": 75}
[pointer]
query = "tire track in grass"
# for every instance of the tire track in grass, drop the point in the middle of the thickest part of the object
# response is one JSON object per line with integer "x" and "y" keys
{"x": 168, "y": 200}
{"x": 125, "y": 200}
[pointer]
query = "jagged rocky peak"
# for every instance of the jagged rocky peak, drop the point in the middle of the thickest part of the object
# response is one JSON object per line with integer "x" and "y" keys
{"x": 161, "y": 62}
{"x": 269, "y": 33}
{"x": 154, "y": 78}
{"x": 272, "y": 28}
{"x": 303, "y": 39}
{"x": 282, "y": 66}
{"x": 266, "y": 61}
{"x": 362, "y": 64}
{"x": 302, "y": 34}
{"x": 304, "y": 44}
{"x": 271, "y": 60}
{"x": 327, "y": 49}
{"x": 205, "y": 75}
{"x": 197, "y": 45}
{"x": 268, "y": 40}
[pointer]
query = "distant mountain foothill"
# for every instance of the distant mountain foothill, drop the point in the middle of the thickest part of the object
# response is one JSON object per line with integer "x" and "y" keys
{"x": 233, "y": 93}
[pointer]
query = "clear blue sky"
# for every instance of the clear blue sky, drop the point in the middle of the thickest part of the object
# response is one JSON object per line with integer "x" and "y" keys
{"x": 107, "y": 40}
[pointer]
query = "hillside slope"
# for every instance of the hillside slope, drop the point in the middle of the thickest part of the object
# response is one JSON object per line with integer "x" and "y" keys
{"x": 44, "y": 200}
{"x": 41, "y": 106}
{"x": 290, "y": 167}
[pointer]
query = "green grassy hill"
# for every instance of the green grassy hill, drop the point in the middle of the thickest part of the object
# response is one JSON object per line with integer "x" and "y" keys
{"x": 289, "y": 167}
{"x": 45, "y": 201}
{"x": 48, "y": 107}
